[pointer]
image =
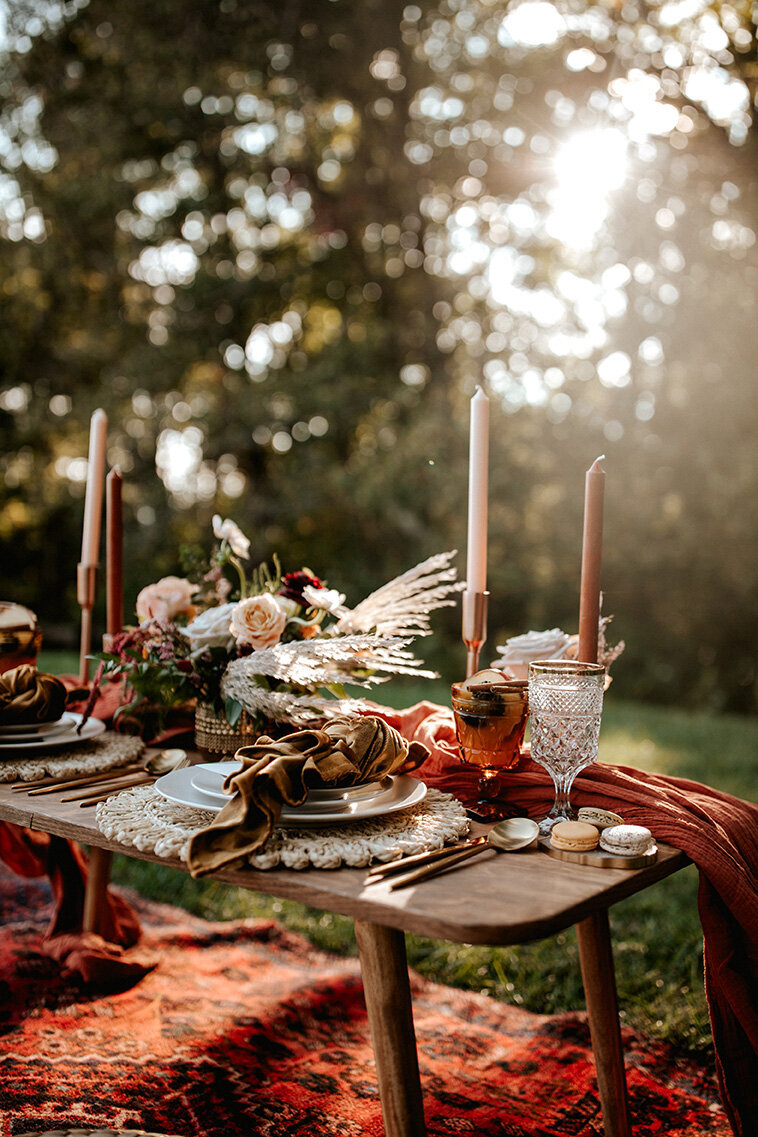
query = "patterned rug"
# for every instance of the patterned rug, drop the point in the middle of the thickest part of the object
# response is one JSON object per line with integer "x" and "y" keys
{"x": 244, "y": 1030}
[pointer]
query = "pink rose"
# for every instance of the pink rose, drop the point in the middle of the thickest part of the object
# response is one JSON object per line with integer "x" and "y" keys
{"x": 169, "y": 597}
{"x": 258, "y": 621}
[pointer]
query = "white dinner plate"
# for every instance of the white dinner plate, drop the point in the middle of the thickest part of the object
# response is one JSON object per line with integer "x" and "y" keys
{"x": 28, "y": 733}
{"x": 90, "y": 730}
{"x": 402, "y": 793}
{"x": 208, "y": 779}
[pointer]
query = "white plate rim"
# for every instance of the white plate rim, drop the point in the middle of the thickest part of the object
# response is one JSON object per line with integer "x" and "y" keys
{"x": 91, "y": 729}
{"x": 412, "y": 790}
{"x": 326, "y": 805}
{"x": 64, "y": 725}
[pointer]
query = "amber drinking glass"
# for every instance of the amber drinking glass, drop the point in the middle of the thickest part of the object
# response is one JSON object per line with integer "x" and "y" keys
{"x": 20, "y": 636}
{"x": 490, "y": 720}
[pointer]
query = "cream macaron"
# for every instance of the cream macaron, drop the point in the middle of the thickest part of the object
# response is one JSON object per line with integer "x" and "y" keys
{"x": 573, "y": 836}
{"x": 600, "y": 818}
{"x": 626, "y": 840}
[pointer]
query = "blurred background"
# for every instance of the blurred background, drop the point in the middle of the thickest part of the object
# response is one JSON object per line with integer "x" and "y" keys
{"x": 281, "y": 244}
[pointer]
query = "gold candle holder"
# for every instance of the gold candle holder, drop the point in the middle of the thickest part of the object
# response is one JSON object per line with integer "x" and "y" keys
{"x": 86, "y": 589}
{"x": 474, "y": 627}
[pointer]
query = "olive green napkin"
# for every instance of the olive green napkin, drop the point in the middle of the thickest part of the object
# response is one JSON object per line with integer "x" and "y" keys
{"x": 344, "y": 752}
{"x": 30, "y": 696}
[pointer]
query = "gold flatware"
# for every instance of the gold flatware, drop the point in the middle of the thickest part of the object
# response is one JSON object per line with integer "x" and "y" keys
{"x": 141, "y": 779}
{"x": 110, "y": 793}
{"x": 378, "y": 872}
{"x": 84, "y": 780}
{"x": 166, "y": 760}
{"x": 162, "y": 762}
{"x": 509, "y": 836}
{"x": 39, "y": 783}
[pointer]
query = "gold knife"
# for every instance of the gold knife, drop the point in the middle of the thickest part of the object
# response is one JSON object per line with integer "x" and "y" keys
{"x": 379, "y": 872}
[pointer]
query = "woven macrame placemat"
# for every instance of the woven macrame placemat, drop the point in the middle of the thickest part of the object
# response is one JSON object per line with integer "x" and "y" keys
{"x": 147, "y": 821}
{"x": 107, "y": 752}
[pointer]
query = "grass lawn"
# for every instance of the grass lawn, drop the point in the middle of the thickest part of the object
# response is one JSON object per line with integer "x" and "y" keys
{"x": 657, "y": 937}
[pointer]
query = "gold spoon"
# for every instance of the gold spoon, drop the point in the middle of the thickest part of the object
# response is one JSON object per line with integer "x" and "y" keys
{"x": 165, "y": 761}
{"x": 161, "y": 763}
{"x": 510, "y": 836}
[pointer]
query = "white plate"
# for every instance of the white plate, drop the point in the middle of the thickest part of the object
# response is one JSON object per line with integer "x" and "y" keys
{"x": 402, "y": 793}
{"x": 208, "y": 779}
{"x": 90, "y": 730}
{"x": 9, "y": 735}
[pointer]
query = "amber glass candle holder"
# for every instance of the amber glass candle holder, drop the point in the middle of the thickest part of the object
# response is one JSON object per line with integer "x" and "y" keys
{"x": 490, "y": 720}
{"x": 20, "y": 636}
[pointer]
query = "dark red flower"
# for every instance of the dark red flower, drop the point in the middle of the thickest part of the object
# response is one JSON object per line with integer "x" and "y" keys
{"x": 293, "y": 584}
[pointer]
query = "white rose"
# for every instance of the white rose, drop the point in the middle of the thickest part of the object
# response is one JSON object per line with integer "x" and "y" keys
{"x": 258, "y": 621}
{"x": 519, "y": 651}
{"x": 228, "y": 530}
{"x": 211, "y": 628}
{"x": 327, "y": 599}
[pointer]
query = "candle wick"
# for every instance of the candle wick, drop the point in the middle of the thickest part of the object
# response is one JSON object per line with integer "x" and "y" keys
{"x": 596, "y": 464}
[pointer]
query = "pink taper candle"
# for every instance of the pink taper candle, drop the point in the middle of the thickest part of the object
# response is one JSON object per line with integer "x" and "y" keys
{"x": 476, "y": 566}
{"x": 592, "y": 552}
{"x": 114, "y": 554}
{"x": 93, "y": 501}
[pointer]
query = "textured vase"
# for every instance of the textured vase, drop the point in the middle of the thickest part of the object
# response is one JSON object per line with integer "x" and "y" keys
{"x": 214, "y": 734}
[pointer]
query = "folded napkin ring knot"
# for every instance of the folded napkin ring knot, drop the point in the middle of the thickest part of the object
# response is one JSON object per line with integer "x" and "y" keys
{"x": 30, "y": 696}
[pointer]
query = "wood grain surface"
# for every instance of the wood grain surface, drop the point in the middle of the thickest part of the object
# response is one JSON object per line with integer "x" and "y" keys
{"x": 499, "y": 898}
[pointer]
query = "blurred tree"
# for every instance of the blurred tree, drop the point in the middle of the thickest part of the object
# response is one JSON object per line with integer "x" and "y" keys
{"x": 282, "y": 243}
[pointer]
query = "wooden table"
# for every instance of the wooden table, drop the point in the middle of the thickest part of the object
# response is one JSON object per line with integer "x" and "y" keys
{"x": 497, "y": 899}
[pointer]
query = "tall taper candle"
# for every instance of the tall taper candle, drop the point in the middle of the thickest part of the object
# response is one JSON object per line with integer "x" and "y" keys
{"x": 114, "y": 553}
{"x": 476, "y": 566}
{"x": 592, "y": 552}
{"x": 93, "y": 500}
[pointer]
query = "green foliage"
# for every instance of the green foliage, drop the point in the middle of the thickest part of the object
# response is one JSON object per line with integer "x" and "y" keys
{"x": 281, "y": 252}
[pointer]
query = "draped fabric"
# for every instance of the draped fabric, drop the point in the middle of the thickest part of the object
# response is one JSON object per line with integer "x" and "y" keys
{"x": 718, "y": 832}
{"x": 109, "y": 959}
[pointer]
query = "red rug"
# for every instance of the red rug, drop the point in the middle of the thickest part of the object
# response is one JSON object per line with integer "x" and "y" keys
{"x": 245, "y": 1030}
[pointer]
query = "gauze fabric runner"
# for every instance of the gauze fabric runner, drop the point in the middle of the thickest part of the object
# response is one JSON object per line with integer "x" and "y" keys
{"x": 717, "y": 831}
{"x": 344, "y": 752}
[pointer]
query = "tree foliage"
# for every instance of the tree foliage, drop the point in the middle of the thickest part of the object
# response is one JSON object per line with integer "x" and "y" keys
{"x": 281, "y": 244}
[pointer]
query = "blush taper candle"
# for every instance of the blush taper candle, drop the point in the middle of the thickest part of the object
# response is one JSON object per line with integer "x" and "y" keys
{"x": 592, "y": 553}
{"x": 114, "y": 554}
{"x": 93, "y": 500}
{"x": 476, "y": 565}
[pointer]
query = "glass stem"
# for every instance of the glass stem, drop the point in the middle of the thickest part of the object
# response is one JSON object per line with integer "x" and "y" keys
{"x": 489, "y": 784}
{"x": 563, "y": 784}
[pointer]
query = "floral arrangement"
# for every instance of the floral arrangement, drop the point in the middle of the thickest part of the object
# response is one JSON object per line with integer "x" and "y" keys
{"x": 277, "y": 645}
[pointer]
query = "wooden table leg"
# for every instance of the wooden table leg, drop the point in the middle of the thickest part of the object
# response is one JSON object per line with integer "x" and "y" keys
{"x": 388, "y": 999}
{"x": 596, "y": 958}
{"x": 98, "y": 875}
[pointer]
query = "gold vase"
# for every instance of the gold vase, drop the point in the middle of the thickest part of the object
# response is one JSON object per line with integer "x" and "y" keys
{"x": 214, "y": 735}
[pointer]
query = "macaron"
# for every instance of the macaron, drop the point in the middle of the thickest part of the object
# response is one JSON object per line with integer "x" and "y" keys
{"x": 573, "y": 836}
{"x": 600, "y": 818}
{"x": 626, "y": 840}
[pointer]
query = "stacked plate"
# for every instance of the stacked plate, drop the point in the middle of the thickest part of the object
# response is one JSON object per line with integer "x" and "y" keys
{"x": 48, "y": 735}
{"x": 202, "y": 786}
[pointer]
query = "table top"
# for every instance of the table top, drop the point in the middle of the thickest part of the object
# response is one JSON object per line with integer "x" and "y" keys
{"x": 498, "y": 898}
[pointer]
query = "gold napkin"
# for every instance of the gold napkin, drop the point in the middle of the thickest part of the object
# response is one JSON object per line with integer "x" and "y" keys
{"x": 30, "y": 696}
{"x": 344, "y": 752}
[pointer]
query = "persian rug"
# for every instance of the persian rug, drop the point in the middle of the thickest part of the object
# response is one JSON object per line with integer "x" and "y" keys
{"x": 245, "y": 1030}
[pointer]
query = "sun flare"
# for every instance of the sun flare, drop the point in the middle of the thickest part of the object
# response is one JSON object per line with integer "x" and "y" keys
{"x": 588, "y": 168}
